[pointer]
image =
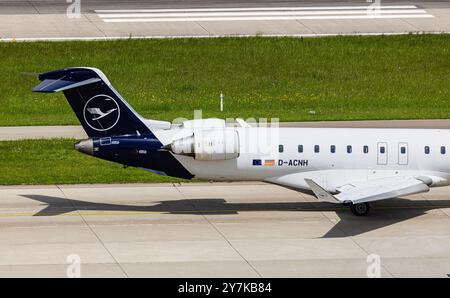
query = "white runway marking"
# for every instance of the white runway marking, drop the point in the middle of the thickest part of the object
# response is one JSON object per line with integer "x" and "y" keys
{"x": 265, "y": 13}
{"x": 262, "y": 14}
{"x": 266, "y": 18}
{"x": 252, "y": 9}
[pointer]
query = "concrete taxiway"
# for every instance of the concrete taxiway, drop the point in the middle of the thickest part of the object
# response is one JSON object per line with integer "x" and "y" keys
{"x": 10, "y": 133}
{"x": 101, "y": 19}
{"x": 216, "y": 230}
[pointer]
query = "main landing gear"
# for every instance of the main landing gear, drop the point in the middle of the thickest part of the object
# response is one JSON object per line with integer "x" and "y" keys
{"x": 360, "y": 209}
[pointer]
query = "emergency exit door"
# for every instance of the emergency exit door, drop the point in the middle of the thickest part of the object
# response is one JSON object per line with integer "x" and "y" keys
{"x": 382, "y": 153}
{"x": 402, "y": 153}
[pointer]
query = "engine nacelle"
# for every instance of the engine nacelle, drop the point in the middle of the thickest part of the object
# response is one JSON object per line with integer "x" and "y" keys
{"x": 217, "y": 144}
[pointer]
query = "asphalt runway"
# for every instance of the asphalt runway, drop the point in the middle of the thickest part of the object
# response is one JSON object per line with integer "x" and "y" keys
{"x": 101, "y": 19}
{"x": 216, "y": 230}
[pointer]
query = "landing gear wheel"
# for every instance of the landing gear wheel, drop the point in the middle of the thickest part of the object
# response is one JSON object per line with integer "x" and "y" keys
{"x": 360, "y": 209}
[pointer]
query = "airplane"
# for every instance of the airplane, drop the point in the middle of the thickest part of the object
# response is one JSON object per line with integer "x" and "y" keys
{"x": 349, "y": 166}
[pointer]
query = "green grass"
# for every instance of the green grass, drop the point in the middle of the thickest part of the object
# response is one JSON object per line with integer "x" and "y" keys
{"x": 340, "y": 78}
{"x": 56, "y": 162}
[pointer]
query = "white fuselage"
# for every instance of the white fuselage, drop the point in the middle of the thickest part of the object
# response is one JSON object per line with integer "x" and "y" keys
{"x": 358, "y": 155}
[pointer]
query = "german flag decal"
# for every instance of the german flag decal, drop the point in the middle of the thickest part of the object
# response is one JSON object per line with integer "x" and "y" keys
{"x": 269, "y": 162}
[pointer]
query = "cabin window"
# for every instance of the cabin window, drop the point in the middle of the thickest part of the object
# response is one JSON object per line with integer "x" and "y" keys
{"x": 349, "y": 149}
{"x": 366, "y": 149}
{"x": 402, "y": 150}
{"x": 300, "y": 148}
{"x": 316, "y": 148}
{"x": 332, "y": 148}
{"x": 427, "y": 150}
{"x": 382, "y": 150}
{"x": 442, "y": 149}
{"x": 280, "y": 148}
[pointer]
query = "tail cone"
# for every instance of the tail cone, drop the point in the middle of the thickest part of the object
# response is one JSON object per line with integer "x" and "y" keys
{"x": 85, "y": 146}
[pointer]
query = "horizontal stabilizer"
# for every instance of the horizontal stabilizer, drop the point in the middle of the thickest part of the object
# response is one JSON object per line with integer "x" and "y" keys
{"x": 56, "y": 85}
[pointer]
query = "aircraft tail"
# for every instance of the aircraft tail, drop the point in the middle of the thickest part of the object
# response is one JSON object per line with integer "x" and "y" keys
{"x": 100, "y": 109}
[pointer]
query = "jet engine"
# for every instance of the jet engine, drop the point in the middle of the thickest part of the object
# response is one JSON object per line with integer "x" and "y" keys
{"x": 217, "y": 144}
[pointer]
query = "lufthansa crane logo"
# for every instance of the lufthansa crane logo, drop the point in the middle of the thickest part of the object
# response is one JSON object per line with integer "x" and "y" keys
{"x": 101, "y": 112}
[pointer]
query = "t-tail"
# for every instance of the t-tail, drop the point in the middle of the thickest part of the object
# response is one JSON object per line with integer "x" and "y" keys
{"x": 101, "y": 110}
{"x": 116, "y": 131}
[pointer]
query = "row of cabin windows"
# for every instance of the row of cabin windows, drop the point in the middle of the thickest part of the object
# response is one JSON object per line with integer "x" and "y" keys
{"x": 365, "y": 149}
{"x": 427, "y": 150}
{"x": 332, "y": 149}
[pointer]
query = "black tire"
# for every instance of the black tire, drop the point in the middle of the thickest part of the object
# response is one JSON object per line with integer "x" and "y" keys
{"x": 360, "y": 209}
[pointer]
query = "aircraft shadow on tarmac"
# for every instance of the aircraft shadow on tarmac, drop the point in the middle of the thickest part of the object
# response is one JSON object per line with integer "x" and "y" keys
{"x": 382, "y": 215}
